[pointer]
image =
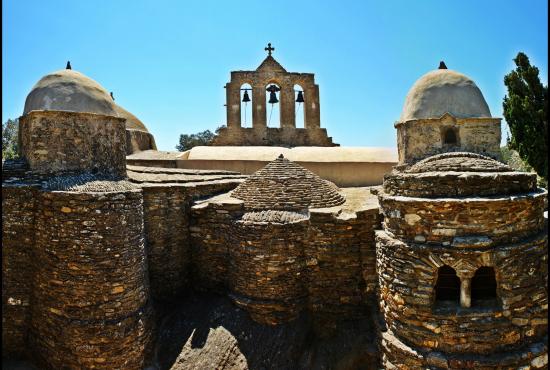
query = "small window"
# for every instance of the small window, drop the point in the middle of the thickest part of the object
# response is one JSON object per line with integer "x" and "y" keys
{"x": 447, "y": 287}
{"x": 484, "y": 286}
{"x": 450, "y": 137}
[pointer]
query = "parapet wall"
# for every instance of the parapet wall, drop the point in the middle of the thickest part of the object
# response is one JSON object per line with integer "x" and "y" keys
{"x": 91, "y": 304}
{"x": 56, "y": 142}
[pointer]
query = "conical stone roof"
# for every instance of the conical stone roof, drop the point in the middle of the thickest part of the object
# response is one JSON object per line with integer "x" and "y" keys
{"x": 284, "y": 185}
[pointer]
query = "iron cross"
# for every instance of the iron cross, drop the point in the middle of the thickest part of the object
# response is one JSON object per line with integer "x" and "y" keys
{"x": 269, "y": 49}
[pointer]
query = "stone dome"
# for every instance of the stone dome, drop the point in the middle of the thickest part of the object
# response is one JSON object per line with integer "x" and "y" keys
{"x": 284, "y": 185}
{"x": 132, "y": 122}
{"x": 459, "y": 162}
{"x": 444, "y": 91}
{"x": 69, "y": 90}
{"x": 458, "y": 174}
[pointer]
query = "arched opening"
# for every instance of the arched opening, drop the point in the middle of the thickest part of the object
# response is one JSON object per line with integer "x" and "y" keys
{"x": 447, "y": 287}
{"x": 246, "y": 105}
{"x": 449, "y": 137}
{"x": 299, "y": 95}
{"x": 484, "y": 287}
{"x": 272, "y": 100}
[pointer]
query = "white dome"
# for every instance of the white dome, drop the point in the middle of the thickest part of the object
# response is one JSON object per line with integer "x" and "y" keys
{"x": 68, "y": 90}
{"x": 444, "y": 91}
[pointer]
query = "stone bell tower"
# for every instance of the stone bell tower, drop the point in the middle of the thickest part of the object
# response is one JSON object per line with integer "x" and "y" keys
{"x": 270, "y": 77}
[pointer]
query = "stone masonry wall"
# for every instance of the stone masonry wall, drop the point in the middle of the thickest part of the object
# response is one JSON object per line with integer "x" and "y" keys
{"x": 271, "y": 136}
{"x": 449, "y": 220}
{"x": 458, "y": 184}
{"x": 91, "y": 304}
{"x": 509, "y": 332}
{"x": 57, "y": 141}
{"x": 420, "y": 139}
{"x": 166, "y": 219}
{"x": 210, "y": 228}
{"x": 18, "y": 211}
{"x": 340, "y": 265}
{"x": 266, "y": 269}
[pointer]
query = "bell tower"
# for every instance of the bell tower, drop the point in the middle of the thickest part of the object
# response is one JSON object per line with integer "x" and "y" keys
{"x": 272, "y": 79}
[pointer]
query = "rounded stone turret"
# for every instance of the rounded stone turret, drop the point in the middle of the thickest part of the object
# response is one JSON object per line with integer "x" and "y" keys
{"x": 91, "y": 303}
{"x": 267, "y": 260}
{"x": 461, "y": 263}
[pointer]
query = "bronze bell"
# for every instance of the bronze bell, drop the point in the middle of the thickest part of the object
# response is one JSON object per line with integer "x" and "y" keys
{"x": 273, "y": 98}
{"x": 246, "y": 98}
{"x": 300, "y": 97}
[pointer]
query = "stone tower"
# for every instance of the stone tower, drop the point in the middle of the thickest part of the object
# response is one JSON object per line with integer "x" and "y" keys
{"x": 445, "y": 111}
{"x": 74, "y": 260}
{"x": 462, "y": 258}
{"x": 270, "y": 72}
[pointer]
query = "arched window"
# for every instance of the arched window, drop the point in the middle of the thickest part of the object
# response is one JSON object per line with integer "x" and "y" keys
{"x": 484, "y": 286}
{"x": 449, "y": 137}
{"x": 272, "y": 108}
{"x": 299, "y": 106}
{"x": 447, "y": 287}
{"x": 246, "y": 106}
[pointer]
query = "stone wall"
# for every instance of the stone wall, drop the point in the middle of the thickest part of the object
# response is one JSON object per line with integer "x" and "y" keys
{"x": 454, "y": 220}
{"x": 137, "y": 141}
{"x": 340, "y": 265}
{"x": 91, "y": 304}
{"x": 514, "y": 325}
{"x": 457, "y": 184}
{"x": 271, "y": 136}
{"x": 277, "y": 263}
{"x": 211, "y": 227}
{"x": 266, "y": 269}
{"x": 418, "y": 139}
{"x": 18, "y": 221}
{"x": 57, "y": 141}
{"x": 166, "y": 220}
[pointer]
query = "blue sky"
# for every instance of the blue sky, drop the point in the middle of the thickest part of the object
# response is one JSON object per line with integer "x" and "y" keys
{"x": 167, "y": 61}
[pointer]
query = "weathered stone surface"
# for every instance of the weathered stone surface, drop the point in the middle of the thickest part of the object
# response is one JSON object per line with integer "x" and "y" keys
{"x": 60, "y": 142}
{"x": 284, "y": 185}
{"x": 91, "y": 305}
{"x": 500, "y": 218}
{"x": 271, "y": 72}
{"x": 18, "y": 230}
{"x": 421, "y": 138}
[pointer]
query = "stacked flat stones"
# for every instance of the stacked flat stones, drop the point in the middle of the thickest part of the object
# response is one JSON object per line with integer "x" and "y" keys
{"x": 267, "y": 261}
{"x": 465, "y": 211}
{"x": 284, "y": 185}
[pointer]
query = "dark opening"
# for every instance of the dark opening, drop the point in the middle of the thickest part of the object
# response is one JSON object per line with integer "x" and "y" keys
{"x": 447, "y": 287}
{"x": 484, "y": 285}
{"x": 450, "y": 136}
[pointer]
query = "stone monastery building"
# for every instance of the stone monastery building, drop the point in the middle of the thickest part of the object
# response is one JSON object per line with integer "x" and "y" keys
{"x": 447, "y": 260}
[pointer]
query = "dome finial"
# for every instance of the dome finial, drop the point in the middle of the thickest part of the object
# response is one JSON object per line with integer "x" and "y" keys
{"x": 442, "y": 65}
{"x": 281, "y": 155}
{"x": 68, "y": 65}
